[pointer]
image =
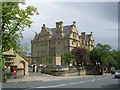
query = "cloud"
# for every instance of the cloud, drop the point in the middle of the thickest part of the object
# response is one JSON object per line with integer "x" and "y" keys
{"x": 101, "y": 18}
{"x": 102, "y": 10}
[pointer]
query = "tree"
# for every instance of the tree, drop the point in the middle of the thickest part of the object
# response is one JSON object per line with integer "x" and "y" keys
{"x": 14, "y": 21}
{"x": 95, "y": 56}
{"x": 116, "y": 58}
{"x": 80, "y": 56}
{"x": 106, "y": 59}
{"x": 100, "y": 55}
{"x": 69, "y": 58}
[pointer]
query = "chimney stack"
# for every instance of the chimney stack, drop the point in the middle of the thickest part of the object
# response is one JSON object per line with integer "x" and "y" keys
{"x": 74, "y": 22}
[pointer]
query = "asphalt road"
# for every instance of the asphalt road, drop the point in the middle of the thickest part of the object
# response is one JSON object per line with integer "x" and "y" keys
{"x": 107, "y": 82}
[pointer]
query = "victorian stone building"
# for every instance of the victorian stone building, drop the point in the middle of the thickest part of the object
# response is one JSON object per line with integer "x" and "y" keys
{"x": 51, "y": 43}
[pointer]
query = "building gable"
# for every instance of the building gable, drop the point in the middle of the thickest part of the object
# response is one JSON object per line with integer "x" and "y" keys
{"x": 44, "y": 31}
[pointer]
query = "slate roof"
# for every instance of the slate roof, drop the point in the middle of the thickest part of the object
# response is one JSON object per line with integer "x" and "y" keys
{"x": 88, "y": 37}
{"x": 66, "y": 30}
{"x": 36, "y": 37}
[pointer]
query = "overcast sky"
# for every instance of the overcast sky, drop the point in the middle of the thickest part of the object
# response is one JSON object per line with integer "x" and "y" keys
{"x": 101, "y": 18}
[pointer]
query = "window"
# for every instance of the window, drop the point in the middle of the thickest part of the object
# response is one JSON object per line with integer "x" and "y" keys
{"x": 52, "y": 51}
{"x": 41, "y": 44}
{"x": 43, "y": 52}
{"x": 74, "y": 35}
{"x": 47, "y": 60}
{"x": 59, "y": 42}
{"x": 50, "y": 60}
{"x": 77, "y": 44}
{"x": 82, "y": 42}
{"x": 86, "y": 43}
{"x": 72, "y": 42}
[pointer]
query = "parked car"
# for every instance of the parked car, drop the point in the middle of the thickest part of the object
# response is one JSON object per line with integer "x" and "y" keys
{"x": 31, "y": 66}
{"x": 117, "y": 73}
{"x": 57, "y": 66}
{"x": 40, "y": 65}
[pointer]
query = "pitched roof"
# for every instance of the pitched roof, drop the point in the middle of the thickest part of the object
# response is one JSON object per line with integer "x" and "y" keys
{"x": 66, "y": 30}
{"x": 88, "y": 37}
{"x": 36, "y": 37}
{"x": 10, "y": 52}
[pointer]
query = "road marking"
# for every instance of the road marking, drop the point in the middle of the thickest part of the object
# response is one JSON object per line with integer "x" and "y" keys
{"x": 102, "y": 78}
{"x": 66, "y": 84}
{"x": 55, "y": 86}
{"x": 90, "y": 80}
{"x": 75, "y": 83}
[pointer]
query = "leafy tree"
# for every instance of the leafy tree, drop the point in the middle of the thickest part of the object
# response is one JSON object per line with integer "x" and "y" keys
{"x": 116, "y": 58}
{"x": 106, "y": 59}
{"x": 80, "y": 55}
{"x": 14, "y": 21}
{"x": 2, "y": 63}
{"x": 95, "y": 56}
{"x": 104, "y": 53}
{"x": 69, "y": 58}
{"x": 101, "y": 56}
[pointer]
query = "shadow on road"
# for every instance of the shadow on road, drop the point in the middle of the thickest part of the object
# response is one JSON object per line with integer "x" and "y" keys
{"x": 115, "y": 86}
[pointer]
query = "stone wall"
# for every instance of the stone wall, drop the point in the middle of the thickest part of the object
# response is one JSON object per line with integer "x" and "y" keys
{"x": 69, "y": 71}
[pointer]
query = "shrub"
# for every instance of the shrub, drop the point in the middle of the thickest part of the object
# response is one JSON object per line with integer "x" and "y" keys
{"x": 4, "y": 78}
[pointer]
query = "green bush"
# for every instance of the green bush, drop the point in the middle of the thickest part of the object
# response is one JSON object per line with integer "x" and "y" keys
{"x": 4, "y": 78}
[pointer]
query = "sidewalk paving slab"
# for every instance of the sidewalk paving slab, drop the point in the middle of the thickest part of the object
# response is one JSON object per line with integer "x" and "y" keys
{"x": 47, "y": 78}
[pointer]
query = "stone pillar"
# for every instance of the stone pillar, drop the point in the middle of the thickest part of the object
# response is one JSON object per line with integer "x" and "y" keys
{"x": 35, "y": 68}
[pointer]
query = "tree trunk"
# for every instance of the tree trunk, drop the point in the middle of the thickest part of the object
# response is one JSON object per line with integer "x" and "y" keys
{"x": 78, "y": 69}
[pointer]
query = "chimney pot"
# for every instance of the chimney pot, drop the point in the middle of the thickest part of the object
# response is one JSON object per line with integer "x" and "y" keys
{"x": 74, "y": 22}
{"x": 91, "y": 33}
{"x": 43, "y": 25}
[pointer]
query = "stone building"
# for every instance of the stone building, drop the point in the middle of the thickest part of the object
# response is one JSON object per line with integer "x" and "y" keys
{"x": 51, "y": 43}
{"x": 13, "y": 59}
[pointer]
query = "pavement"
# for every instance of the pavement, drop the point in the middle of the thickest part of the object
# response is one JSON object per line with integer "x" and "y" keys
{"x": 36, "y": 77}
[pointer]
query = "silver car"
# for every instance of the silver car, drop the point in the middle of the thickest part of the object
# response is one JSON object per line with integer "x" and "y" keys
{"x": 117, "y": 74}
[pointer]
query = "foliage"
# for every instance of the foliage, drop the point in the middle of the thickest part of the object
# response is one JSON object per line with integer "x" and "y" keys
{"x": 94, "y": 56}
{"x": 69, "y": 58}
{"x": 106, "y": 59}
{"x": 4, "y": 78}
{"x": 116, "y": 58}
{"x": 14, "y": 21}
{"x": 103, "y": 55}
{"x": 80, "y": 55}
{"x": 2, "y": 63}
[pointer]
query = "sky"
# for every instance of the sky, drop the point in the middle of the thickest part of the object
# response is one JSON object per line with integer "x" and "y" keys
{"x": 101, "y": 18}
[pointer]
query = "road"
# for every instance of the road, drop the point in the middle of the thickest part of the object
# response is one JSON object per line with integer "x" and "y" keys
{"x": 106, "y": 82}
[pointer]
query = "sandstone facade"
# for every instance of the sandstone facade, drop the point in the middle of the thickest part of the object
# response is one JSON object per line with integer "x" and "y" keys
{"x": 51, "y": 43}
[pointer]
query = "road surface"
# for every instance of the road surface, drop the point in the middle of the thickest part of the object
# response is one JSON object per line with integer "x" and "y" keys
{"x": 107, "y": 82}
